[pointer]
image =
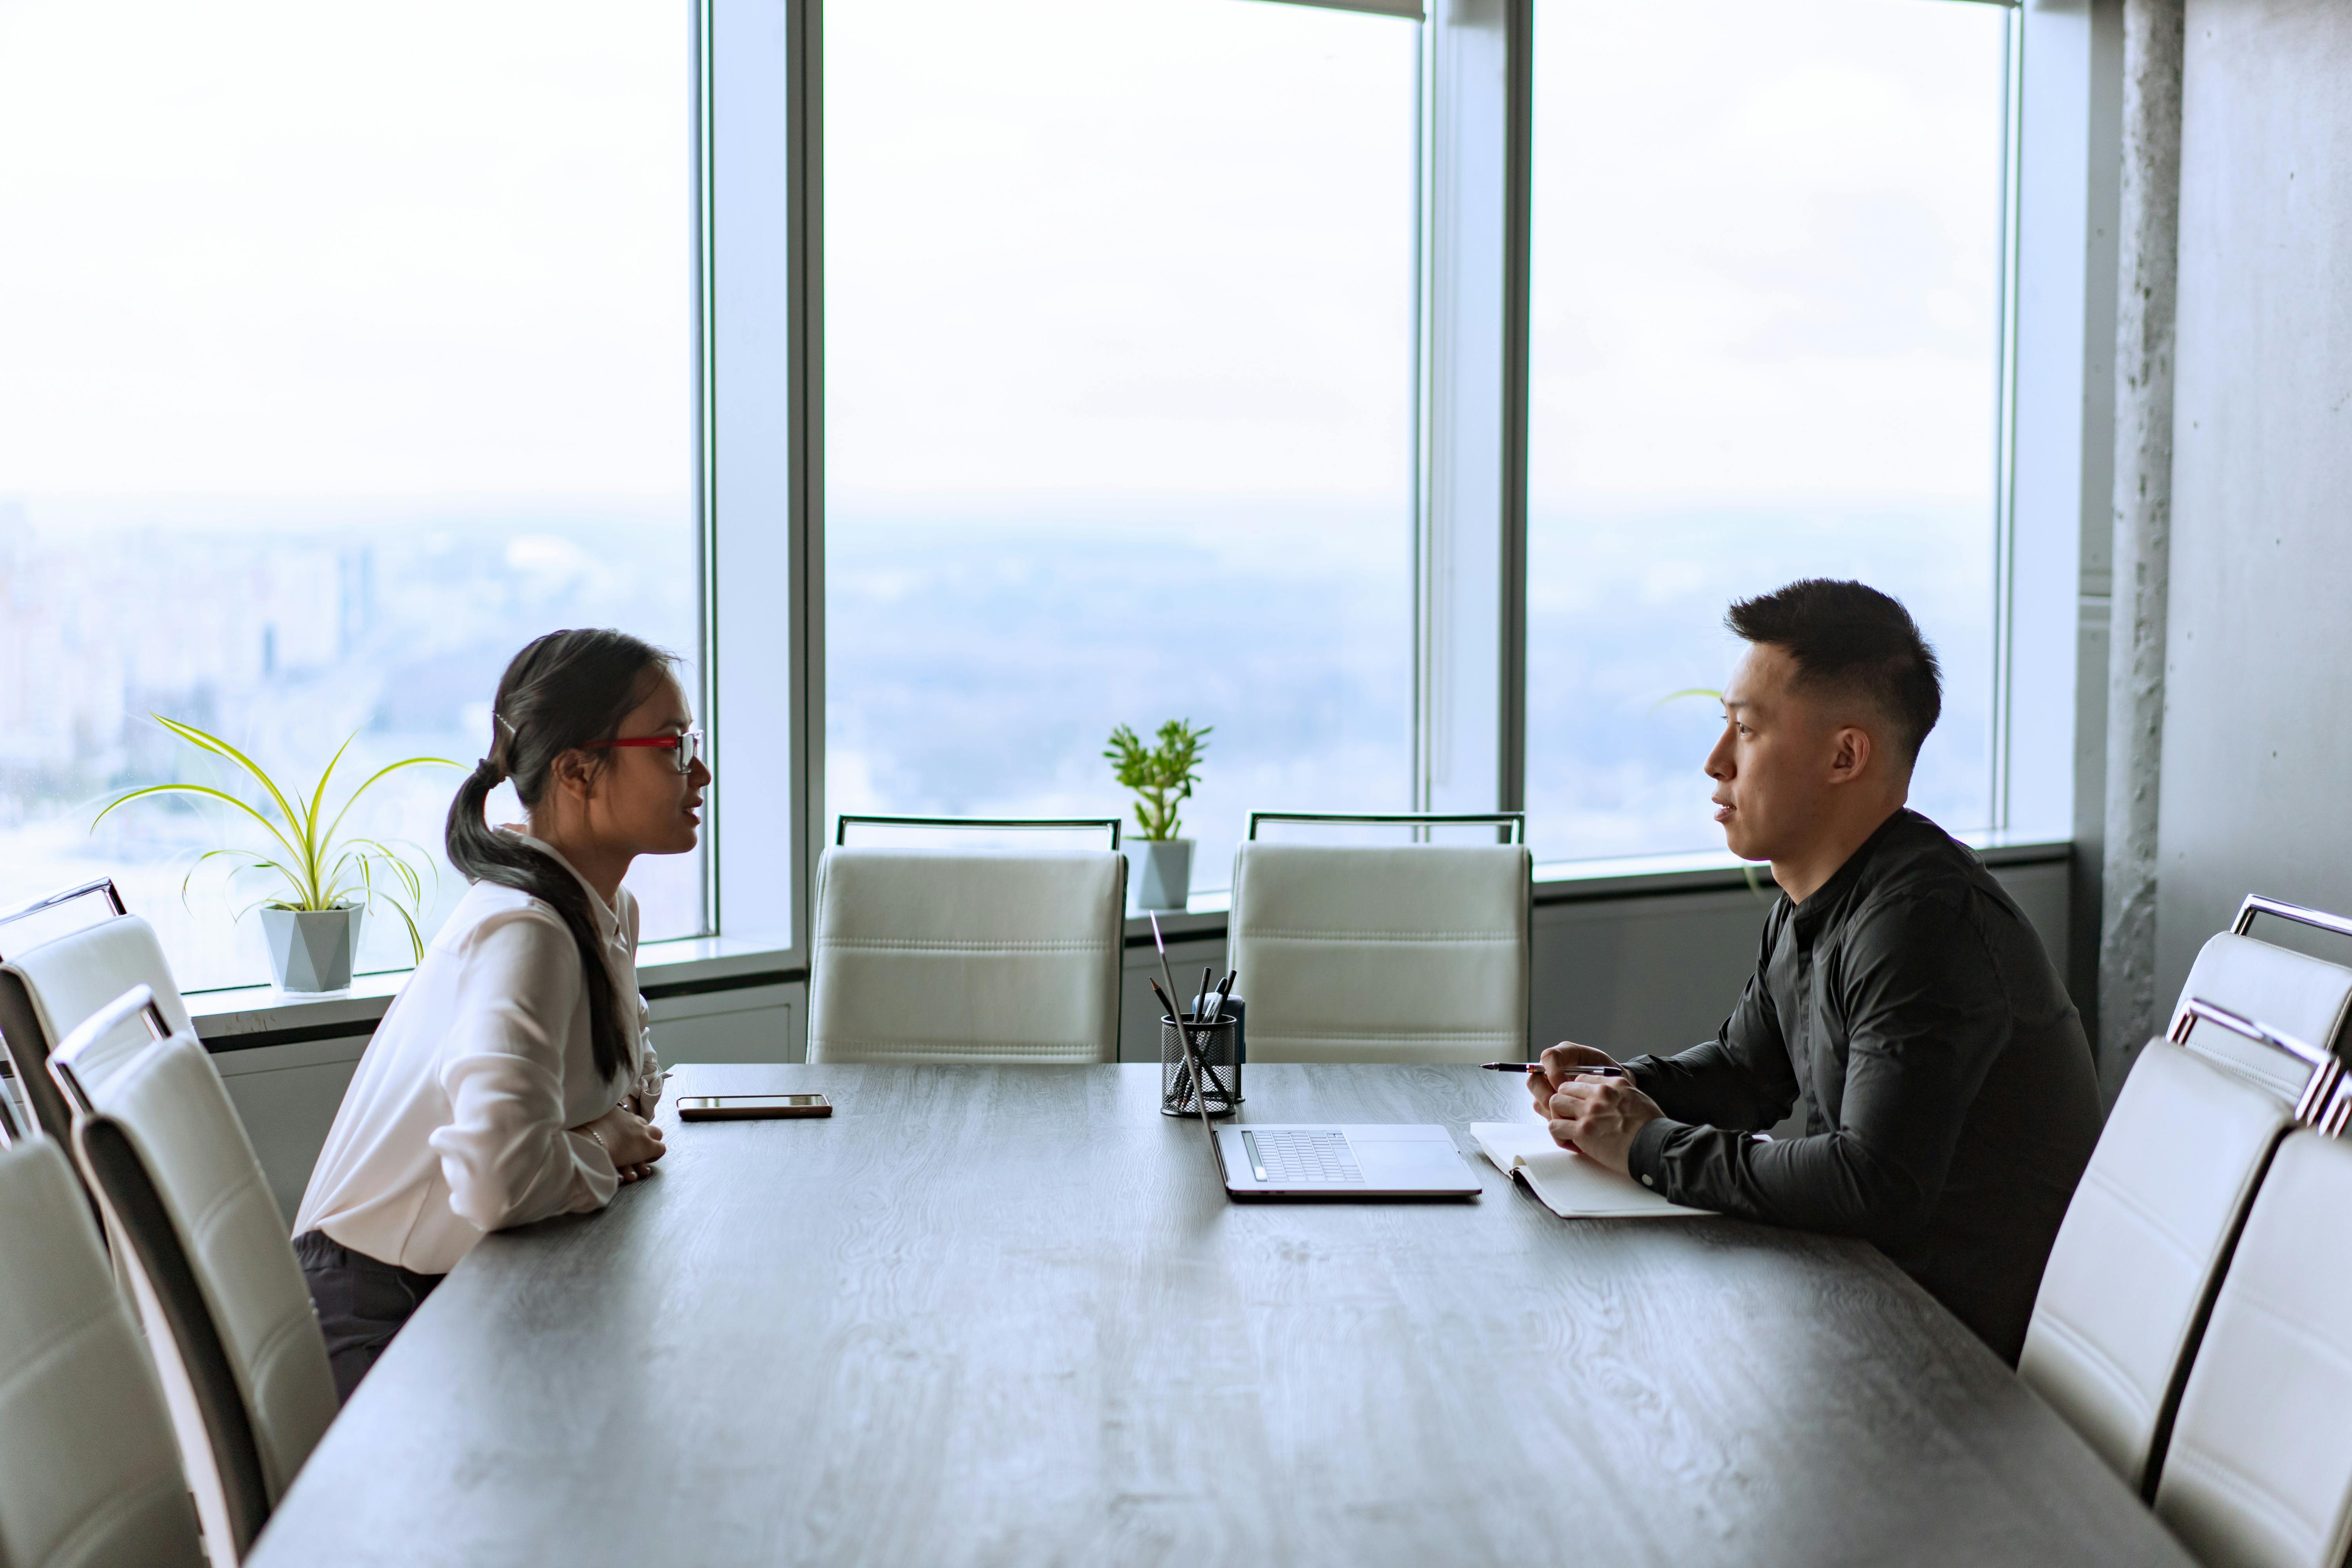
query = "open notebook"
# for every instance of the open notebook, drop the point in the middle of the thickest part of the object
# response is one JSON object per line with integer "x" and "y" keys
{"x": 1571, "y": 1186}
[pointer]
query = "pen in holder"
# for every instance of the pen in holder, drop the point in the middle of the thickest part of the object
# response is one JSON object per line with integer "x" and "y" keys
{"x": 1215, "y": 1045}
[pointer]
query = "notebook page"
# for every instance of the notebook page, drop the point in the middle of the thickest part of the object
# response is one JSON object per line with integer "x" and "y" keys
{"x": 1571, "y": 1186}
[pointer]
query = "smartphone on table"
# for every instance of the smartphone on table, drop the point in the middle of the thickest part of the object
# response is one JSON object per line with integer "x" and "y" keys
{"x": 750, "y": 1107}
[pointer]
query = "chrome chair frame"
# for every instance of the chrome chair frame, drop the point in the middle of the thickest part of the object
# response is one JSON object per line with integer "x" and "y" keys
{"x": 841, "y": 824}
{"x": 1514, "y": 822}
{"x": 114, "y": 1167}
{"x": 65, "y": 896}
{"x": 2331, "y": 1119}
{"x": 2241, "y": 924}
{"x": 16, "y": 1013}
{"x": 64, "y": 1062}
{"x": 2323, "y": 1098}
{"x": 2257, "y": 904}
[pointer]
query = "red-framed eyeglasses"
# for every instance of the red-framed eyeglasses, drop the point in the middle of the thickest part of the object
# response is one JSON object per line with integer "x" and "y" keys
{"x": 687, "y": 746}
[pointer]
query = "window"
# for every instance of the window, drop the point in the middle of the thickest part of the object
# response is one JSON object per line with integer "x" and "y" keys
{"x": 1119, "y": 360}
{"x": 348, "y": 348}
{"x": 346, "y": 351}
{"x": 1766, "y": 282}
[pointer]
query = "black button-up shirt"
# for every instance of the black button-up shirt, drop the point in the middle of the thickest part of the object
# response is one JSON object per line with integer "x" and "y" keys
{"x": 1951, "y": 1103}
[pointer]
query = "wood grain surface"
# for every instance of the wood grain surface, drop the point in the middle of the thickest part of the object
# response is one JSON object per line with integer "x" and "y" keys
{"x": 1008, "y": 1316}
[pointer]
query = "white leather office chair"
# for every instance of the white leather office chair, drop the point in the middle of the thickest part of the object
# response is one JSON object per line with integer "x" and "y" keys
{"x": 160, "y": 1144}
{"x": 88, "y": 1471}
{"x": 1406, "y": 954}
{"x": 2131, "y": 1274}
{"x": 2306, "y": 997}
{"x": 949, "y": 956}
{"x": 2259, "y": 1471}
{"x": 46, "y": 990}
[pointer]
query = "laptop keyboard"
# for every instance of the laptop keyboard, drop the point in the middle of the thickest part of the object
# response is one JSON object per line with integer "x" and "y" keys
{"x": 1311, "y": 1154}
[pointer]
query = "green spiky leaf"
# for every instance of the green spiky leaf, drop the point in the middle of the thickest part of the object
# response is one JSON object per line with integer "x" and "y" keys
{"x": 318, "y": 870}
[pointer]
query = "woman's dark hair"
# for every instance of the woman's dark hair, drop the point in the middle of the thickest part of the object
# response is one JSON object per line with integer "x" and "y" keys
{"x": 1850, "y": 638}
{"x": 566, "y": 689}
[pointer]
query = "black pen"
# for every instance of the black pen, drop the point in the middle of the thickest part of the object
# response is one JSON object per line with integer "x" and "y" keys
{"x": 1538, "y": 1067}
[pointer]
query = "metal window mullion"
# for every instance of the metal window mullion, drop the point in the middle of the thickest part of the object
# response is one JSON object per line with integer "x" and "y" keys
{"x": 706, "y": 460}
{"x": 760, "y": 385}
{"x": 807, "y": 282}
{"x": 1518, "y": 243}
{"x": 2001, "y": 749}
{"x": 1470, "y": 496}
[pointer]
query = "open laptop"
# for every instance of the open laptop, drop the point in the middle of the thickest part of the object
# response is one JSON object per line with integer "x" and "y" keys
{"x": 1306, "y": 1159}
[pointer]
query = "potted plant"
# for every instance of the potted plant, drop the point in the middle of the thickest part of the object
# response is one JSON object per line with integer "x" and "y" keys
{"x": 312, "y": 926}
{"x": 1163, "y": 777}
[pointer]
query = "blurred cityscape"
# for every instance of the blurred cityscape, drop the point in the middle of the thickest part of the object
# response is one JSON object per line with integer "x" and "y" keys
{"x": 977, "y": 670}
{"x": 974, "y": 670}
{"x": 284, "y": 633}
{"x": 1626, "y": 608}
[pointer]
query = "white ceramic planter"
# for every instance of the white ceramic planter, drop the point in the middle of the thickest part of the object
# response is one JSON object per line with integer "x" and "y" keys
{"x": 1162, "y": 869}
{"x": 311, "y": 950}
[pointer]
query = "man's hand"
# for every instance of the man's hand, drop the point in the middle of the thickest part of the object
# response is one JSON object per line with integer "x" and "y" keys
{"x": 1559, "y": 1064}
{"x": 1598, "y": 1116}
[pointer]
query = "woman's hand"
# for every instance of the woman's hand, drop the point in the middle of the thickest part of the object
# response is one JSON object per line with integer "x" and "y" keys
{"x": 633, "y": 1143}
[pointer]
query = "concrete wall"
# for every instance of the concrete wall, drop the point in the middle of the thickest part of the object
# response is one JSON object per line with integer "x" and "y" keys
{"x": 2258, "y": 722}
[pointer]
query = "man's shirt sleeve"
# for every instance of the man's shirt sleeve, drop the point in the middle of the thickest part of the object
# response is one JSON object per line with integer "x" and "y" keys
{"x": 1926, "y": 1012}
{"x": 1740, "y": 1078}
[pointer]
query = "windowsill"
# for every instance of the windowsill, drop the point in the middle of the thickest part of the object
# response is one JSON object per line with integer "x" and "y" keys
{"x": 1710, "y": 870}
{"x": 238, "y": 1016}
{"x": 224, "y": 1017}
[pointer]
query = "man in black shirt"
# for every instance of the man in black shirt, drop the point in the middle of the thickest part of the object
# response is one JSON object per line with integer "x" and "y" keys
{"x": 1951, "y": 1103}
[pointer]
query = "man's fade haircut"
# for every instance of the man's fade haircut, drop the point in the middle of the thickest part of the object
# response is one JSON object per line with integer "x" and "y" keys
{"x": 1851, "y": 640}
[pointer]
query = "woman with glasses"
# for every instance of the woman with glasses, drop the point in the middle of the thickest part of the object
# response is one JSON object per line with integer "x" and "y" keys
{"x": 512, "y": 1079}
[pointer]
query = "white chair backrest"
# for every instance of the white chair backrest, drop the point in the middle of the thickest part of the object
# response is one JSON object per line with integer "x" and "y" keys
{"x": 1411, "y": 953}
{"x": 2307, "y": 997}
{"x": 2132, "y": 1273}
{"x": 89, "y": 1473}
{"x": 46, "y": 990}
{"x": 162, "y": 1147}
{"x": 954, "y": 956}
{"x": 2259, "y": 1471}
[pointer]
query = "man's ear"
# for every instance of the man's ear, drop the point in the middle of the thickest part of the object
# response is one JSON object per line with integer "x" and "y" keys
{"x": 1850, "y": 758}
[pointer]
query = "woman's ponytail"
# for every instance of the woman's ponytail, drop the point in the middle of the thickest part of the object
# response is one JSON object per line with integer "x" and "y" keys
{"x": 566, "y": 690}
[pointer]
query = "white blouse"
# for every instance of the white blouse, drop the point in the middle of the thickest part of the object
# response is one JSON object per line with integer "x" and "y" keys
{"x": 455, "y": 1123}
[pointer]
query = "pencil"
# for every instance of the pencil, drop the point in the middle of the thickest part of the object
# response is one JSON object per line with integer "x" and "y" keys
{"x": 1538, "y": 1067}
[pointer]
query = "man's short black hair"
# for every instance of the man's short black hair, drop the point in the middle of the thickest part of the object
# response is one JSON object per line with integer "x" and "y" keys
{"x": 1850, "y": 638}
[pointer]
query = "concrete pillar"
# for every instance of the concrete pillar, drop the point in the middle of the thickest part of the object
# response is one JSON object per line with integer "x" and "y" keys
{"x": 2148, "y": 267}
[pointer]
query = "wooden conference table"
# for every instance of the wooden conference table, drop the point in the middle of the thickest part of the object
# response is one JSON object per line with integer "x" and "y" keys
{"x": 1008, "y": 1316}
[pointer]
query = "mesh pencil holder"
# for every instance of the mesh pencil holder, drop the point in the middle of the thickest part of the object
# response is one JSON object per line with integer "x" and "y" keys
{"x": 1215, "y": 1045}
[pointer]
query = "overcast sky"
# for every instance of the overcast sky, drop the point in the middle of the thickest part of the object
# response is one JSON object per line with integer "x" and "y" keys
{"x": 310, "y": 248}
{"x": 1142, "y": 246}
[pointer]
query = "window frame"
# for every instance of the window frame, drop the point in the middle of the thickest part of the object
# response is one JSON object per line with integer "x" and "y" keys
{"x": 1475, "y": 146}
{"x": 759, "y": 425}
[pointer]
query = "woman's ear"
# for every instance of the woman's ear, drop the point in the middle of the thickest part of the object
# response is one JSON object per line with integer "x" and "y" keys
{"x": 575, "y": 772}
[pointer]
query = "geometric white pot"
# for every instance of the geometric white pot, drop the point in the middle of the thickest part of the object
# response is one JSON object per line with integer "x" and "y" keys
{"x": 311, "y": 950}
{"x": 1164, "y": 871}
